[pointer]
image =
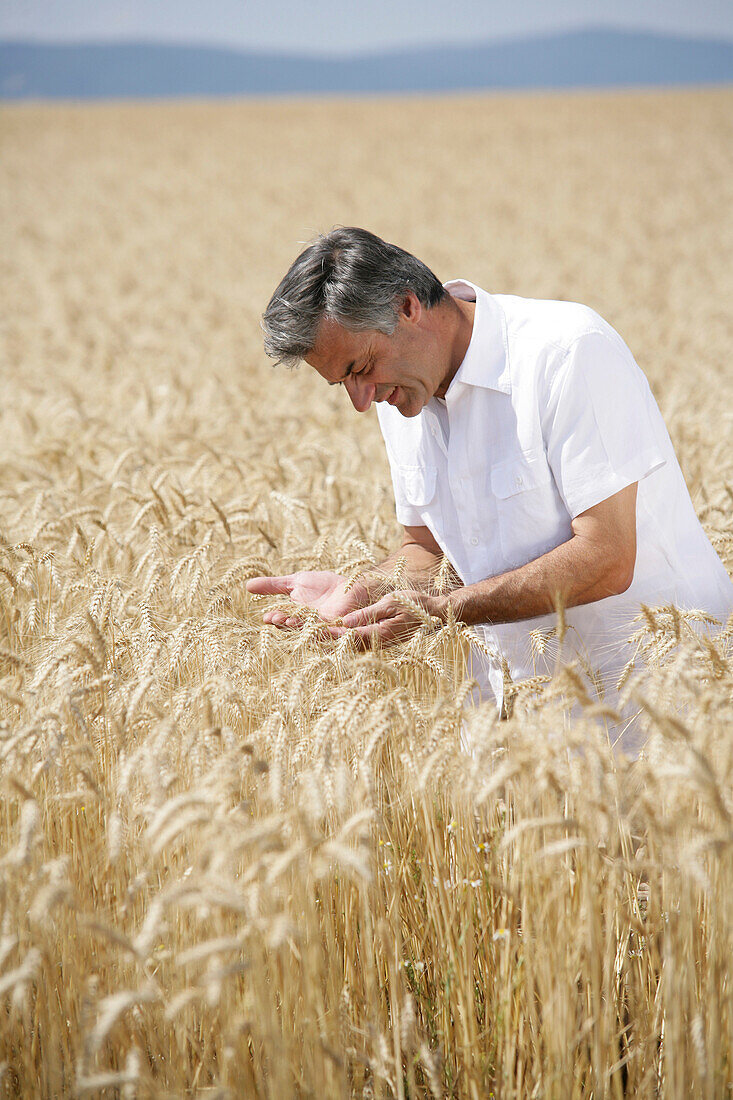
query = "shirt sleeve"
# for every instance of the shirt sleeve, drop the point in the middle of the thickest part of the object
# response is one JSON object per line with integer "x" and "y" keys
{"x": 601, "y": 425}
{"x": 408, "y": 487}
{"x": 407, "y": 516}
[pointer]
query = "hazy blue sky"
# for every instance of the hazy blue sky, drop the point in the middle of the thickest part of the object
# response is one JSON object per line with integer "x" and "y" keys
{"x": 339, "y": 25}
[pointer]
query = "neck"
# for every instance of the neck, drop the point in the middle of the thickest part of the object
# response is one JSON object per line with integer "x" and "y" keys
{"x": 458, "y": 332}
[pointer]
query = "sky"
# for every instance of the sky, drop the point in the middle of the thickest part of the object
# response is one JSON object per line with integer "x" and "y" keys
{"x": 338, "y": 26}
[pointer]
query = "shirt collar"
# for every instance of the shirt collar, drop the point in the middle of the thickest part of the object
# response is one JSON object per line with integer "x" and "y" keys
{"x": 486, "y": 362}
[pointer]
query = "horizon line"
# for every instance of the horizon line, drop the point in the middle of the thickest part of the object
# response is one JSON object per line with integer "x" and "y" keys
{"x": 367, "y": 51}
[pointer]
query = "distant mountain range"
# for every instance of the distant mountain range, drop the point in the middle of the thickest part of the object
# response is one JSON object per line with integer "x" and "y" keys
{"x": 586, "y": 58}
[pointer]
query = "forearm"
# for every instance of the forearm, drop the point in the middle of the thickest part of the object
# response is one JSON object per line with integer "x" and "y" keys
{"x": 571, "y": 574}
{"x": 597, "y": 562}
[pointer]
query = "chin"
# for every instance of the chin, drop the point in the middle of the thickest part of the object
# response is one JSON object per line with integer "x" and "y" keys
{"x": 410, "y": 408}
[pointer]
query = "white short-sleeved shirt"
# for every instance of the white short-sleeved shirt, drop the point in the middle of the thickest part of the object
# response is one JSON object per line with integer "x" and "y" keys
{"x": 547, "y": 415}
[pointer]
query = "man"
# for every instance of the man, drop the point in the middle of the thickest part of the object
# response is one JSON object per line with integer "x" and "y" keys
{"x": 524, "y": 445}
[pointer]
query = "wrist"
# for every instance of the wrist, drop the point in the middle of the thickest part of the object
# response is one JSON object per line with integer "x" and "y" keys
{"x": 439, "y": 607}
{"x": 454, "y": 601}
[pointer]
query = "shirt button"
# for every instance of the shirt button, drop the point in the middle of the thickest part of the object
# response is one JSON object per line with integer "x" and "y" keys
{"x": 474, "y": 541}
{"x": 432, "y": 431}
{"x": 518, "y": 481}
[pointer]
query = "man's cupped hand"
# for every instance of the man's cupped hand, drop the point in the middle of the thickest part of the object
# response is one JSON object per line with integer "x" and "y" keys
{"x": 393, "y": 619}
{"x": 329, "y": 594}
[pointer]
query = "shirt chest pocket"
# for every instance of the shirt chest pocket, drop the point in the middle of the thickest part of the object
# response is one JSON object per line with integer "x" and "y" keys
{"x": 522, "y": 473}
{"x": 526, "y": 507}
{"x": 416, "y": 484}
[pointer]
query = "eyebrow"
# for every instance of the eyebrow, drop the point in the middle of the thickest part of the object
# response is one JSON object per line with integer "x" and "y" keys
{"x": 346, "y": 375}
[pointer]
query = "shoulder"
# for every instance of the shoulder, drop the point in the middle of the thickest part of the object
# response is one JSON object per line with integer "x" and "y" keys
{"x": 552, "y": 324}
{"x": 545, "y": 338}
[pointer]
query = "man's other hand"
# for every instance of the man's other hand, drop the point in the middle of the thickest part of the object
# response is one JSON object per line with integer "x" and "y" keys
{"x": 392, "y": 619}
{"x": 323, "y": 592}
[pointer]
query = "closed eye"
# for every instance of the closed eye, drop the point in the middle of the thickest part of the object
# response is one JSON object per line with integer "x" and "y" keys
{"x": 347, "y": 372}
{"x": 367, "y": 366}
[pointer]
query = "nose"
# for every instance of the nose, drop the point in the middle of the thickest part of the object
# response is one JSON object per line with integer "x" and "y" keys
{"x": 361, "y": 393}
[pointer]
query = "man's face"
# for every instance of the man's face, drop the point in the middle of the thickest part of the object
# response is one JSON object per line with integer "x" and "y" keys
{"x": 405, "y": 369}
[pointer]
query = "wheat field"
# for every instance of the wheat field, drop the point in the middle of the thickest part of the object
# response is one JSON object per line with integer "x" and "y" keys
{"x": 237, "y": 862}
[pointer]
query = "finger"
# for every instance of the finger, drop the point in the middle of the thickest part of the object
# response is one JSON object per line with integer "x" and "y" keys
{"x": 363, "y": 616}
{"x": 326, "y": 630}
{"x": 364, "y": 637}
{"x": 275, "y": 618}
{"x": 366, "y": 633}
{"x": 336, "y": 633}
{"x": 387, "y": 632}
{"x": 270, "y": 586}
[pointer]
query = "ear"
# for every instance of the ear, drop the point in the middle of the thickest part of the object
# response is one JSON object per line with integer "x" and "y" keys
{"x": 411, "y": 307}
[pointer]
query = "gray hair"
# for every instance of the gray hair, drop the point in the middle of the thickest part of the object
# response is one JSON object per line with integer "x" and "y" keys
{"x": 352, "y": 277}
